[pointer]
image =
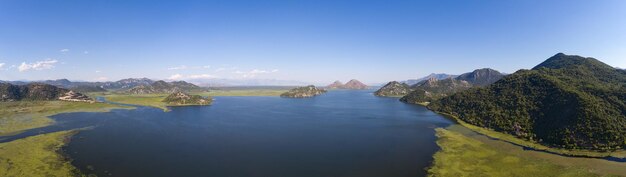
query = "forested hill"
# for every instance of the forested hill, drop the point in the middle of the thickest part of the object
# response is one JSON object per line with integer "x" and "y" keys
{"x": 567, "y": 101}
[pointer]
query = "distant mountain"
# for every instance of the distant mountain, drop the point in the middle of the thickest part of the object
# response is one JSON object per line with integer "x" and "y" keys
{"x": 181, "y": 98}
{"x": 481, "y": 77}
{"x": 432, "y": 89}
{"x": 133, "y": 82}
{"x": 335, "y": 85}
{"x": 127, "y": 83}
{"x": 87, "y": 88}
{"x": 162, "y": 87}
{"x": 437, "y": 76}
{"x": 566, "y": 101}
{"x": 59, "y": 82}
{"x": 38, "y": 91}
{"x": 63, "y": 83}
{"x": 220, "y": 82}
{"x": 393, "y": 88}
{"x": 15, "y": 82}
{"x": 303, "y": 92}
{"x": 352, "y": 84}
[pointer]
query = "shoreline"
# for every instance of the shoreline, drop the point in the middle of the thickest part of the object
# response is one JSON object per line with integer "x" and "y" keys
{"x": 617, "y": 156}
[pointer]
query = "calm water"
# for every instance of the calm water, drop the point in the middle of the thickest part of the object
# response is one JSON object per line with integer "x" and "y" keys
{"x": 341, "y": 133}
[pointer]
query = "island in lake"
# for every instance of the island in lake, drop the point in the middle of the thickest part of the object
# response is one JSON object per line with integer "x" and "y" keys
{"x": 303, "y": 92}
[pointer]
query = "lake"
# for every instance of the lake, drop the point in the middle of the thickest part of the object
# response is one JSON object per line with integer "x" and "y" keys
{"x": 340, "y": 133}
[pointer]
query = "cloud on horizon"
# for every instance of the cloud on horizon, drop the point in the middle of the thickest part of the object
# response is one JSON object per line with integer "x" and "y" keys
{"x": 196, "y": 76}
{"x": 254, "y": 72}
{"x": 185, "y": 67}
{"x": 181, "y": 67}
{"x": 38, "y": 65}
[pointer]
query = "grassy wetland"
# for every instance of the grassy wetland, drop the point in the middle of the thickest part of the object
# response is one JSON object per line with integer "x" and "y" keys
{"x": 535, "y": 145}
{"x": 22, "y": 115}
{"x": 156, "y": 100}
{"x": 152, "y": 100}
{"x": 465, "y": 152}
{"x": 36, "y": 156}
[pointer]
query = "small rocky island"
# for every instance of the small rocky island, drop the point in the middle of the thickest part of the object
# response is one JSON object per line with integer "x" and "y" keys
{"x": 393, "y": 89}
{"x": 182, "y": 99}
{"x": 75, "y": 96}
{"x": 303, "y": 92}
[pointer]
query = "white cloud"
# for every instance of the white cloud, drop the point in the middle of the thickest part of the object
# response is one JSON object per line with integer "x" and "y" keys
{"x": 38, "y": 65}
{"x": 254, "y": 72}
{"x": 97, "y": 71}
{"x": 185, "y": 67}
{"x": 224, "y": 69}
{"x": 201, "y": 76}
{"x": 178, "y": 67}
{"x": 64, "y": 50}
{"x": 175, "y": 77}
{"x": 197, "y": 76}
{"x": 2, "y": 65}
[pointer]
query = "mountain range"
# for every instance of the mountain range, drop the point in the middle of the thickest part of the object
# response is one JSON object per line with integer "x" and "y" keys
{"x": 438, "y": 76}
{"x": 433, "y": 88}
{"x": 163, "y": 87}
{"x": 566, "y": 101}
{"x": 64, "y": 83}
{"x": 38, "y": 92}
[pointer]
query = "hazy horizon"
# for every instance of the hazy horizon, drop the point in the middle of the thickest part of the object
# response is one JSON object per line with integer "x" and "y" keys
{"x": 307, "y": 41}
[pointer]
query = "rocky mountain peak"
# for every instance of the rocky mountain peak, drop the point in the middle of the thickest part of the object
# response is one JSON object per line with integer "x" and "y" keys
{"x": 354, "y": 84}
{"x": 393, "y": 88}
{"x": 481, "y": 77}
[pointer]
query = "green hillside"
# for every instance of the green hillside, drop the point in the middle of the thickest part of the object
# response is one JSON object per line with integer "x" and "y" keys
{"x": 567, "y": 101}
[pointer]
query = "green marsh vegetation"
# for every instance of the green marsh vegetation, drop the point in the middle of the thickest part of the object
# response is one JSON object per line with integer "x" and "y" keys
{"x": 466, "y": 153}
{"x": 152, "y": 100}
{"x": 22, "y": 115}
{"x": 535, "y": 145}
{"x": 36, "y": 156}
{"x": 156, "y": 100}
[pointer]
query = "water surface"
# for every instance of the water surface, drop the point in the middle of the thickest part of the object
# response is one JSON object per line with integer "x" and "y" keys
{"x": 341, "y": 133}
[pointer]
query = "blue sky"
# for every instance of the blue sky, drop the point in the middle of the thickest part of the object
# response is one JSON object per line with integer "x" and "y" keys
{"x": 312, "y": 41}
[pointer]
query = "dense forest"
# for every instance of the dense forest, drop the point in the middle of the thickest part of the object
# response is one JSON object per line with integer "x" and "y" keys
{"x": 567, "y": 101}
